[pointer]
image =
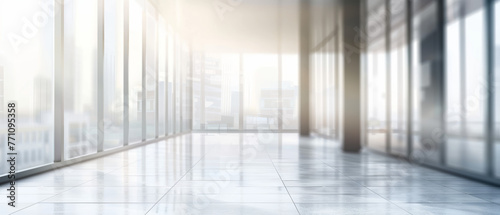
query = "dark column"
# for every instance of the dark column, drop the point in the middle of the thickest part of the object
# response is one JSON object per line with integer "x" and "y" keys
{"x": 304, "y": 121}
{"x": 351, "y": 20}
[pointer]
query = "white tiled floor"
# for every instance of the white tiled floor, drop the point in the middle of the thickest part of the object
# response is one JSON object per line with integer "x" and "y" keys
{"x": 249, "y": 174}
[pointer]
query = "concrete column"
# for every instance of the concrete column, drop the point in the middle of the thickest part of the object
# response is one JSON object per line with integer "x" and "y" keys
{"x": 351, "y": 20}
{"x": 304, "y": 51}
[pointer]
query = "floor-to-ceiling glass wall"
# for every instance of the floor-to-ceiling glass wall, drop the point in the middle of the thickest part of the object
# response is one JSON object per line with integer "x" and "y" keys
{"x": 427, "y": 84}
{"x": 448, "y": 86}
{"x": 80, "y": 78}
{"x": 27, "y": 82}
{"x": 162, "y": 77}
{"x": 88, "y": 36}
{"x": 177, "y": 84}
{"x": 218, "y": 92}
{"x": 186, "y": 84}
{"x": 325, "y": 69}
{"x": 376, "y": 74}
{"x": 170, "y": 77}
{"x": 330, "y": 73}
{"x": 290, "y": 91}
{"x": 260, "y": 94}
{"x": 151, "y": 70}
{"x": 113, "y": 74}
{"x": 289, "y": 68}
{"x": 398, "y": 55}
{"x": 315, "y": 68}
{"x": 465, "y": 82}
{"x": 198, "y": 105}
{"x": 135, "y": 70}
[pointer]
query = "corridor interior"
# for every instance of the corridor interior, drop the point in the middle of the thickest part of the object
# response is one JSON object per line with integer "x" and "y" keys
{"x": 232, "y": 107}
{"x": 250, "y": 174}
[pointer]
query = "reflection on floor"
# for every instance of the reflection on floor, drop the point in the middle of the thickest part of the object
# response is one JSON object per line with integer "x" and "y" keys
{"x": 249, "y": 174}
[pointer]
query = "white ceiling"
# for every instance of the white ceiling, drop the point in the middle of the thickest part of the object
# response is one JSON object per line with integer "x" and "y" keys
{"x": 236, "y": 25}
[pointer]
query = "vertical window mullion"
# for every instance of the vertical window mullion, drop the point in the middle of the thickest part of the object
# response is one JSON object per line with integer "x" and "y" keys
{"x": 144, "y": 93}
{"x": 59, "y": 83}
{"x": 125, "y": 72}
{"x": 100, "y": 75}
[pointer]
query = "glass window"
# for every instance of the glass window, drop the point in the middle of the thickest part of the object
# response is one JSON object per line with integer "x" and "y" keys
{"x": 135, "y": 71}
{"x": 329, "y": 79}
{"x": 177, "y": 84}
{"x": 312, "y": 93}
{"x": 80, "y": 74}
{"x": 162, "y": 76}
{"x": 377, "y": 79}
{"x": 399, "y": 77}
{"x": 221, "y": 93}
{"x": 260, "y": 91}
{"x": 475, "y": 99}
{"x": 426, "y": 111}
{"x": 27, "y": 78}
{"x": 151, "y": 71}
{"x": 113, "y": 74}
{"x": 198, "y": 108}
{"x": 170, "y": 85}
{"x": 466, "y": 75}
{"x": 185, "y": 72}
{"x": 320, "y": 101}
{"x": 290, "y": 91}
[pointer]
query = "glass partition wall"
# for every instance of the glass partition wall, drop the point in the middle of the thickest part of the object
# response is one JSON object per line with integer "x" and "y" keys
{"x": 122, "y": 82}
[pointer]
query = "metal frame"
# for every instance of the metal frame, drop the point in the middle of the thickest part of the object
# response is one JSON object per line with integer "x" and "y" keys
{"x": 244, "y": 131}
{"x": 441, "y": 10}
{"x": 144, "y": 75}
{"x": 336, "y": 49}
{"x": 324, "y": 72}
{"x": 202, "y": 92}
{"x": 409, "y": 39}
{"x": 100, "y": 75}
{"x": 190, "y": 89}
{"x": 181, "y": 86}
{"x": 59, "y": 82}
{"x": 242, "y": 102}
{"x": 174, "y": 84}
{"x": 280, "y": 68}
{"x": 157, "y": 71}
{"x": 126, "y": 107}
{"x": 166, "y": 77}
{"x": 388, "y": 43}
{"x": 462, "y": 78}
{"x": 490, "y": 112}
{"x": 364, "y": 89}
